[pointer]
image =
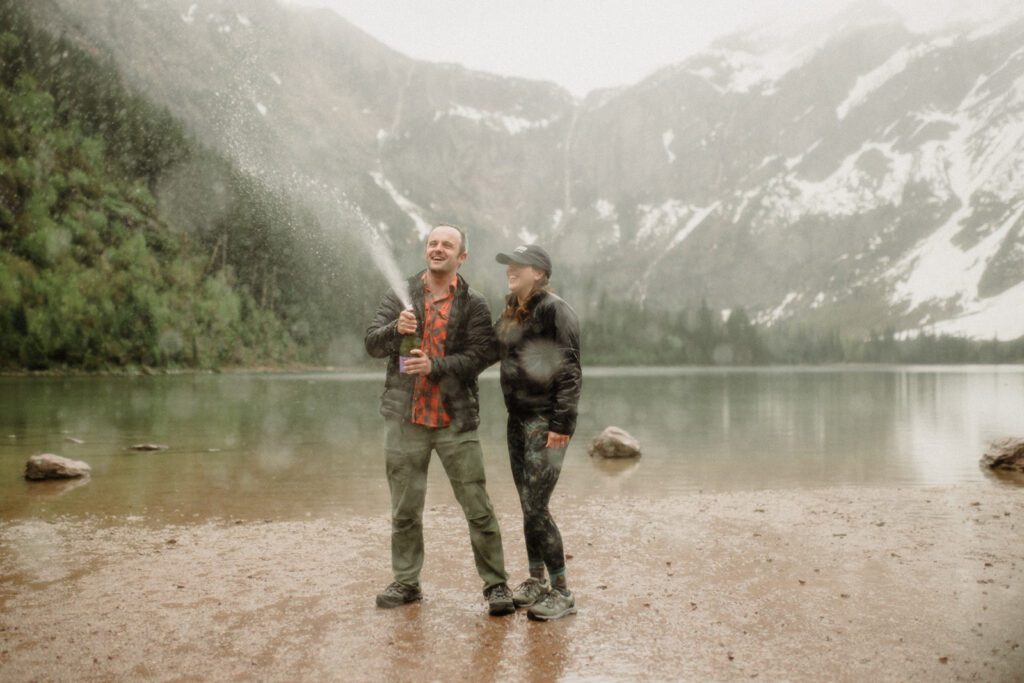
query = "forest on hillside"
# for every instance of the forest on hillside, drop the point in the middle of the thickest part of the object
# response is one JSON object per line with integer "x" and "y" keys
{"x": 125, "y": 242}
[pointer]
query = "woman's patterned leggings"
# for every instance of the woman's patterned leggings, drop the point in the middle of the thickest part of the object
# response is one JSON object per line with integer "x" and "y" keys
{"x": 535, "y": 470}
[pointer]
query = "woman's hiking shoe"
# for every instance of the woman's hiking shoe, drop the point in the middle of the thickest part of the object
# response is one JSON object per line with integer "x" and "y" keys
{"x": 555, "y": 605}
{"x": 530, "y": 591}
{"x": 398, "y": 594}
{"x": 499, "y": 600}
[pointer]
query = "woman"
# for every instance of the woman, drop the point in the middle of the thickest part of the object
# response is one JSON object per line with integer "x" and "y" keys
{"x": 539, "y": 340}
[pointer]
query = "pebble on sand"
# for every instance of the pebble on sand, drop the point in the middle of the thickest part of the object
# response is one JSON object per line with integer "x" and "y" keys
{"x": 50, "y": 466}
{"x": 615, "y": 442}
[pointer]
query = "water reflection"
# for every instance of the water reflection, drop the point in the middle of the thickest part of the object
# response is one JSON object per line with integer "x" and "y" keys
{"x": 764, "y": 429}
{"x": 406, "y": 642}
{"x": 547, "y": 649}
{"x": 617, "y": 468}
{"x": 288, "y": 446}
{"x": 1005, "y": 476}
{"x": 55, "y": 488}
{"x": 489, "y": 650}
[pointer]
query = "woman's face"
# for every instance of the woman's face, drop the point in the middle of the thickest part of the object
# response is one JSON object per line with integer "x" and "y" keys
{"x": 521, "y": 279}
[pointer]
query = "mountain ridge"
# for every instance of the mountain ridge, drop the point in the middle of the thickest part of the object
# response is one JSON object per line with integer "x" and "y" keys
{"x": 808, "y": 190}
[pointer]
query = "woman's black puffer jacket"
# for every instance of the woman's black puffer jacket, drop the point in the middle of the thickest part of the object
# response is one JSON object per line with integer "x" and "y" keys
{"x": 540, "y": 362}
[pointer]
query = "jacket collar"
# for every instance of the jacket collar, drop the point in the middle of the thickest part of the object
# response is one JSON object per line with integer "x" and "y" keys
{"x": 416, "y": 284}
{"x": 532, "y": 302}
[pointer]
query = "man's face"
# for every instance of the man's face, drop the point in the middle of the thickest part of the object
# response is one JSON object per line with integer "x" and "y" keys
{"x": 443, "y": 245}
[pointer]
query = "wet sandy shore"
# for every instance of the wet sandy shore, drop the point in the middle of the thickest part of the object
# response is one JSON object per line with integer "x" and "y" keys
{"x": 839, "y": 584}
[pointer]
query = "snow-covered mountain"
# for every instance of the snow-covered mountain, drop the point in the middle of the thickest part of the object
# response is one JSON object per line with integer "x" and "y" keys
{"x": 864, "y": 175}
{"x": 848, "y": 172}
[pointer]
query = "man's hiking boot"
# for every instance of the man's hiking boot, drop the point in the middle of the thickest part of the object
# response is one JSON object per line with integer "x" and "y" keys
{"x": 530, "y": 591}
{"x": 555, "y": 605}
{"x": 397, "y": 594}
{"x": 499, "y": 600}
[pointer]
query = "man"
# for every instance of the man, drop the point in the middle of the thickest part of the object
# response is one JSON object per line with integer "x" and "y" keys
{"x": 434, "y": 406}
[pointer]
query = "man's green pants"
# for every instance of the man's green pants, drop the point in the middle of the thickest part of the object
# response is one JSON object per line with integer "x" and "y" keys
{"x": 408, "y": 447}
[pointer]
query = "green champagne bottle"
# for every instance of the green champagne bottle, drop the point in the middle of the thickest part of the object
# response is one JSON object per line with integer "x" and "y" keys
{"x": 409, "y": 342}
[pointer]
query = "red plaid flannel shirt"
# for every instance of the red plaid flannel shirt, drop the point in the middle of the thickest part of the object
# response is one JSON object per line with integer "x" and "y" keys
{"x": 427, "y": 406}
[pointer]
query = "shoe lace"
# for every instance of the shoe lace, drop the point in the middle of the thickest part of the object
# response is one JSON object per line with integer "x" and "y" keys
{"x": 552, "y": 597}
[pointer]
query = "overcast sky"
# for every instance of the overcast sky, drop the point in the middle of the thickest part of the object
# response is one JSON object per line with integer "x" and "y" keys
{"x": 584, "y": 44}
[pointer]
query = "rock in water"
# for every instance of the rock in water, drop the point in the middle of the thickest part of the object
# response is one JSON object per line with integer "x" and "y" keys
{"x": 1005, "y": 454}
{"x": 615, "y": 443}
{"x": 50, "y": 466}
{"x": 147, "y": 447}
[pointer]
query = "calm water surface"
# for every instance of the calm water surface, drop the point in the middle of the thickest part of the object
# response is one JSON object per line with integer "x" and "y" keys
{"x": 291, "y": 446}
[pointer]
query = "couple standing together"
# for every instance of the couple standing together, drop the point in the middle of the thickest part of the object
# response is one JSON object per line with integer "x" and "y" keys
{"x": 432, "y": 403}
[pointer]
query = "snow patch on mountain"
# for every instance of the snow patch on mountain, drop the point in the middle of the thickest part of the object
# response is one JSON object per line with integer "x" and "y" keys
{"x": 999, "y": 317}
{"x": 667, "y": 221}
{"x": 975, "y": 155}
{"x": 876, "y": 78}
{"x": 982, "y": 154}
{"x": 774, "y": 315}
{"x": 736, "y": 71}
{"x": 660, "y": 221}
{"x": 526, "y": 237}
{"x": 695, "y": 220}
{"x": 997, "y": 20}
{"x": 744, "y": 203}
{"x": 609, "y": 232}
{"x": 605, "y": 209}
{"x": 940, "y": 270}
{"x": 666, "y": 141}
{"x": 410, "y": 208}
{"x": 852, "y": 188}
{"x": 513, "y": 125}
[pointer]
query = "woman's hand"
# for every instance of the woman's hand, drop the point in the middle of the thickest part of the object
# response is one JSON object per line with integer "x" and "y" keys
{"x": 556, "y": 440}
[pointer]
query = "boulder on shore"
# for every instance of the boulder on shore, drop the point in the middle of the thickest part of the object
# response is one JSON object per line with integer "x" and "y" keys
{"x": 1005, "y": 454}
{"x": 615, "y": 442}
{"x": 50, "y": 466}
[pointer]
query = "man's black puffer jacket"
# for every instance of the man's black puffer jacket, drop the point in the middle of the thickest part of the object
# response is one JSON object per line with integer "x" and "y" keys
{"x": 469, "y": 348}
{"x": 540, "y": 362}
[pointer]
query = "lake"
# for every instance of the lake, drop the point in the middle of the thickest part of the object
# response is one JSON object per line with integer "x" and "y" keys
{"x": 290, "y": 446}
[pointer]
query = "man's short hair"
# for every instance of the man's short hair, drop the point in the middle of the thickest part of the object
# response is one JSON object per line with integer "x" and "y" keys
{"x": 463, "y": 240}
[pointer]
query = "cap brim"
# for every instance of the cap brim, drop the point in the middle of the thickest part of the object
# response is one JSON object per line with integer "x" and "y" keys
{"x": 506, "y": 259}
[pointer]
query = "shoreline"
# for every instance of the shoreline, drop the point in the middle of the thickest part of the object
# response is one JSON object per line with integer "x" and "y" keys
{"x": 595, "y": 370}
{"x": 840, "y": 583}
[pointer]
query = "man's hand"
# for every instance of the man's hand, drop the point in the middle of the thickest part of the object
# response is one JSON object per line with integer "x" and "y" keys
{"x": 406, "y": 322}
{"x": 556, "y": 440}
{"x": 419, "y": 364}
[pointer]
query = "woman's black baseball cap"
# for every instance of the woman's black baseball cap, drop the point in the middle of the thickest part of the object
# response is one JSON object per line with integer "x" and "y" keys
{"x": 527, "y": 255}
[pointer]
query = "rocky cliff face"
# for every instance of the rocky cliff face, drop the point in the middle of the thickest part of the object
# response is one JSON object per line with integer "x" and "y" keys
{"x": 850, "y": 173}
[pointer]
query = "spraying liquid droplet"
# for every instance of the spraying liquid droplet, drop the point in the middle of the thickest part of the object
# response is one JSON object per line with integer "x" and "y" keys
{"x": 383, "y": 258}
